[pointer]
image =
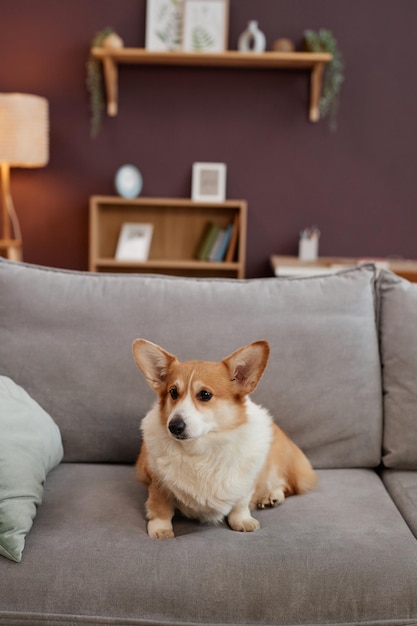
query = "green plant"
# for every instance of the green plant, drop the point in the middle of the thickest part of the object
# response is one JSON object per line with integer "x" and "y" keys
{"x": 94, "y": 84}
{"x": 324, "y": 41}
{"x": 201, "y": 39}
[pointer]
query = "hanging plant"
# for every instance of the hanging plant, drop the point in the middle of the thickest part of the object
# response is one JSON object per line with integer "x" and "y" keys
{"x": 324, "y": 41}
{"x": 95, "y": 85}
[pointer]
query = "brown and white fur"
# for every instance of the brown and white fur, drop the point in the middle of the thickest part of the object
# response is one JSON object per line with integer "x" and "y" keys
{"x": 208, "y": 450}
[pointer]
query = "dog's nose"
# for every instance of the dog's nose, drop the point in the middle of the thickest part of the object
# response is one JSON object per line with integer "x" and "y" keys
{"x": 177, "y": 426}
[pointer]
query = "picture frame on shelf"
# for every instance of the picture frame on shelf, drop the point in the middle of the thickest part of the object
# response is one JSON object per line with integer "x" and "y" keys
{"x": 163, "y": 25}
{"x": 134, "y": 242}
{"x": 208, "y": 182}
{"x": 205, "y": 25}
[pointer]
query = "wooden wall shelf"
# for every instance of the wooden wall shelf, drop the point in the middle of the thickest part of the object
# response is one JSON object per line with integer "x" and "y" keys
{"x": 313, "y": 61}
{"x": 178, "y": 226}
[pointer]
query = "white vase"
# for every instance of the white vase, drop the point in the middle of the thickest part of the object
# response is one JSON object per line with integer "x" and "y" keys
{"x": 252, "y": 39}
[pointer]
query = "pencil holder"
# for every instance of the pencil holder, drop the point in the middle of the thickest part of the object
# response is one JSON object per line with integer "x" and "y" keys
{"x": 308, "y": 249}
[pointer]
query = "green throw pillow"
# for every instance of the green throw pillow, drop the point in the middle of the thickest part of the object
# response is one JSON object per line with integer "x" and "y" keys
{"x": 30, "y": 446}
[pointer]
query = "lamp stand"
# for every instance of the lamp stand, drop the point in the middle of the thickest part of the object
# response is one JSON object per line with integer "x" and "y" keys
{"x": 11, "y": 248}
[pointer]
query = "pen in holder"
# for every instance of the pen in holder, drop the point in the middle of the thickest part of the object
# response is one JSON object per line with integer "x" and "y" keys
{"x": 308, "y": 245}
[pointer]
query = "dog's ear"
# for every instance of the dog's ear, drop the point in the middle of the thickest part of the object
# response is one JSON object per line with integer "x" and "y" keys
{"x": 153, "y": 361}
{"x": 247, "y": 365}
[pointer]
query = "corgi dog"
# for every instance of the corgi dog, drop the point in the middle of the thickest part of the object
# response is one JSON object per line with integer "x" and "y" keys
{"x": 208, "y": 450}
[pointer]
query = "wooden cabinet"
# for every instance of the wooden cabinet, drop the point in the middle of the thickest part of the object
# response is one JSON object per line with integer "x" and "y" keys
{"x": 292, "y": 266}
{"x": 315, "y": 62}
{"x": 178, "y": 227}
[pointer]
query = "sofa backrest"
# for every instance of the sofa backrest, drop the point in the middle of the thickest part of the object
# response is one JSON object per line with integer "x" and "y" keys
{"x": 398, "y": 332}
{"x": 66, "y": 338}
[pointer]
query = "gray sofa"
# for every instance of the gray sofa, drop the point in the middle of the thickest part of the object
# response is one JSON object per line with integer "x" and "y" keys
{"x": 342, "y": 381}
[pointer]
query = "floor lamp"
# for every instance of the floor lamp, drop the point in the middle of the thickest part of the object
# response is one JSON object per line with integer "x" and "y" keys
{"x": 24, "y": 142}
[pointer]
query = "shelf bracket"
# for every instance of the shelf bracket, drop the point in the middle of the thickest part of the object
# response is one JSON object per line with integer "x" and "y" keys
{"x": 315, "y": 91}
{"x": 110, "y": 70}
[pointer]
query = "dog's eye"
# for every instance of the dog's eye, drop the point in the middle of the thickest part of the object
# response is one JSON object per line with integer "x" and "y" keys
{"x": 174, "y": 393}
{"x": 205, "y": 395}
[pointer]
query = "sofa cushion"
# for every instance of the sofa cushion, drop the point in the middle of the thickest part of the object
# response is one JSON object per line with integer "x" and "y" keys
{"x": 66, "y": 337}
{"x": 30, "y": 446}
{"x": 341, "y": 554}
{"x": 398, "y": 331}
{"x": 402, "y": 486}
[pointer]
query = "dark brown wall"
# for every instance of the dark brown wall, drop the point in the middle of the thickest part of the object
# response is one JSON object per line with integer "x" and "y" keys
{"x": 358, "y": 184}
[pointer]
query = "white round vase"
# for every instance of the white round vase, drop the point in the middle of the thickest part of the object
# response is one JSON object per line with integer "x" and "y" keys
{"x": 252, "y": 39}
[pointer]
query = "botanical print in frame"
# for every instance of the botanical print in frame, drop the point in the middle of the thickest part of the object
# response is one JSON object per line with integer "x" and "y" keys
{"x": 163, "y": 25}
{"x": 205, "y": 25}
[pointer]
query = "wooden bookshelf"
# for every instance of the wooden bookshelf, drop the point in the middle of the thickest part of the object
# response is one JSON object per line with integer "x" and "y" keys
{"x": 315, "y": 62}
{"x": 178, "y": 225}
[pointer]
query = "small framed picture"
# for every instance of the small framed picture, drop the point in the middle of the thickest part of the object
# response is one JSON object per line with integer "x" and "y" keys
{"x": 208, "y": 182}
{"x": 205, "y": 25}
{"x": 134, "y": 242}
{"x": 164, "y": 25}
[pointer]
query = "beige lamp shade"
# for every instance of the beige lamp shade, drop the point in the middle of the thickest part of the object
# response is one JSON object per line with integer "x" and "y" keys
{"x": 24, "y": 130}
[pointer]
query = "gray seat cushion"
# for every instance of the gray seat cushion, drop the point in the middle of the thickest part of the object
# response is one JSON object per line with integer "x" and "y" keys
{"x": 339, "y": 555}
{"x": 66, "y": 338}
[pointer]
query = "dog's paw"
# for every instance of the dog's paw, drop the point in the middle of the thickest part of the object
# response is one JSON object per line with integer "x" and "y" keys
{"x": 163, "y": 534}
{"x": 271, "y": 499}
{"x": 245, "y": 525}
{"x": 159, "y": 529}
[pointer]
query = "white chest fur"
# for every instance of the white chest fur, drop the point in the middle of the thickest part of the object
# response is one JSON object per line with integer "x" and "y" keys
{"x": 210, "y": 474}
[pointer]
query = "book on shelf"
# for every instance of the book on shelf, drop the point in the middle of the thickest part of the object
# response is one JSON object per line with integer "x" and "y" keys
{"x": 222, "y": 244}
{"x": 231, "y": 250}
{"x": 216, "y": 243}
{"x": 202, "y": 242}
{"x": 207, "y": 240}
